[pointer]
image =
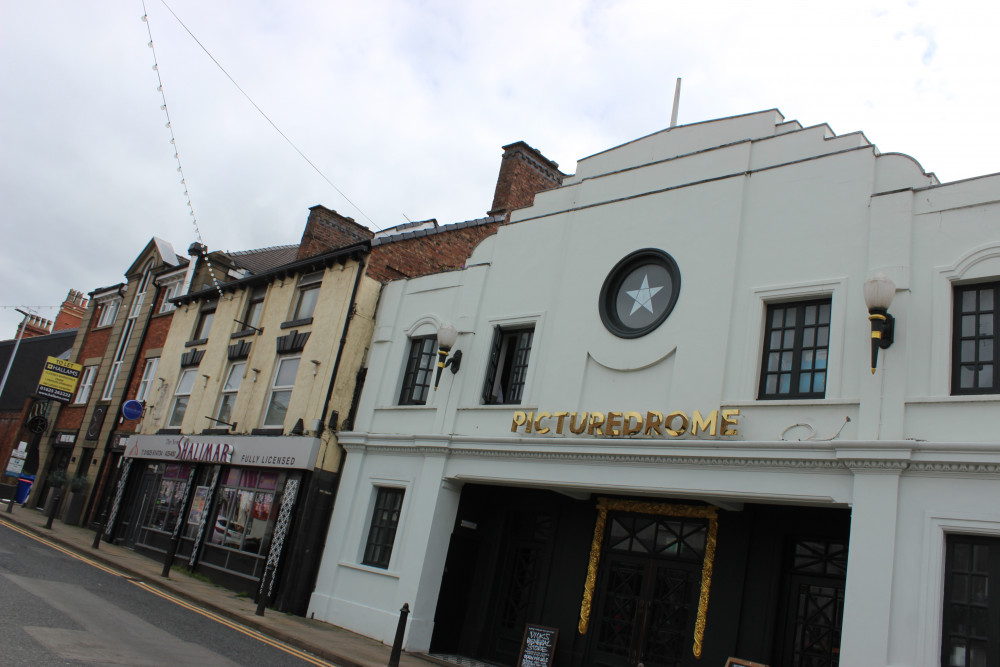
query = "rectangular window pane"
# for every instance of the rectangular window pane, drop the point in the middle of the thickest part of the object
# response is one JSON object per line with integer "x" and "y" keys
{"x": 181, "y": 397}
{"x": 972, "y": 567}
{"x": 306, "y": 303}
{"x": 277, "y": 408}
{"x": 418, "y": 372}
{"x": 148, "y": 375}
{"x": 508, "y": 369}
{"x": 975, "y": 344}
{"x": 382, "y": 532}
{"x": 286, "y": 372}
{"x": 281, "y": 393}
{"x": 204, "y": 325}
{"x": 86, "y": 383}
{"x": 795, "y": 354}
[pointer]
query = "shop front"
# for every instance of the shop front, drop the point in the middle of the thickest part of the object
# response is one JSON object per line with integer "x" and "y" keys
{"x": 222, "y": 504}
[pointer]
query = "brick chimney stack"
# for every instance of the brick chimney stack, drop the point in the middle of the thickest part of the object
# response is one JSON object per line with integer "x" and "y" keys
{"x": 71, "y": 312}
{"x": 327, "y": 230}
{"x": 34, "y": 326}
{"x": 523, "y": 172}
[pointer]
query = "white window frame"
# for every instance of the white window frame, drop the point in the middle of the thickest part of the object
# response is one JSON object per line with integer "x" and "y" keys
{"x": 276, "y": 388}
{"x": 109, "y": 312}
{"x": 833, "y": 288}
{"x": 203, "y": 325}
{"x": 311, "y": 282}
{"x": 148, "y": 374}
{"x": 182, "y": 392}
{"x": 229, "y": 391}
{"x": 936, "y": 526}
{"x": 86, "y": 384}
{"x": 169, "y": 292}
{"x": 255, "y": 297}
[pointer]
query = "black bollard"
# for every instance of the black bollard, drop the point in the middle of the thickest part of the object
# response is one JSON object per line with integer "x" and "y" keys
{"x": 99, "y": 526}
{"x": 265, "y": 583}
{"x": 97, "y": 538}
{"x": 397, "y": 643}
{"x": 55, "y": 507}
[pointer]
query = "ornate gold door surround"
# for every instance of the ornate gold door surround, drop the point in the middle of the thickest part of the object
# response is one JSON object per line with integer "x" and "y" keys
{"x": 677, "y": 539}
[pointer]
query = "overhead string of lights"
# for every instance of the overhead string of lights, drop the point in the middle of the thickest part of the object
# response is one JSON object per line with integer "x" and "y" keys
{"x": 268, "y": 119}
{"x": 202, "y": 248}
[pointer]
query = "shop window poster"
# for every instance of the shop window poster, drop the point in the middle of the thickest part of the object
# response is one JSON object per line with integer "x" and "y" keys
{"x": 198, "y": 505}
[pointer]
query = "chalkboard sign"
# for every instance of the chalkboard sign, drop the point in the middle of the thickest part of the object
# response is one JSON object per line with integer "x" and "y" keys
{"x": 538, "y": 647}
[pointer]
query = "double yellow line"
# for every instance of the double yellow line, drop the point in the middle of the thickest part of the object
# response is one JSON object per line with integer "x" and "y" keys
{"x": 281, "y": 646}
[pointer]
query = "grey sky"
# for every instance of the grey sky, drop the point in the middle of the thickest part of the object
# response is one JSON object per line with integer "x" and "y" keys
{"x": 404, "y": 105}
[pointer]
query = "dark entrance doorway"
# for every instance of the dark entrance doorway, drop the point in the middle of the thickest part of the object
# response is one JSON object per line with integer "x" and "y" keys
{"x": 814, "y": 603}
{"x": 647, "y": 591}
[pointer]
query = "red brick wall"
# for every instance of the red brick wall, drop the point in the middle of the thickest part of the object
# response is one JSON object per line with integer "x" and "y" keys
{"x": 71, "y": 416}
{"x": 523, "y": 173}
{"x": 71, "y": 312}
{"x": 327, "y": 230}
{"x": 156, "y": 335}
{"x": 95, "y": 343}
{"x": 420, "y": 256}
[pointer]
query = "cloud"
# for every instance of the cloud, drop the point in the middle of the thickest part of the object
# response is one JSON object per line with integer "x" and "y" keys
{"x": 404, "y": 106}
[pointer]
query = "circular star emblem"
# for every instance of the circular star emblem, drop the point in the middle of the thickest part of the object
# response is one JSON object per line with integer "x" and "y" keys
{"x": 639, "y": 293}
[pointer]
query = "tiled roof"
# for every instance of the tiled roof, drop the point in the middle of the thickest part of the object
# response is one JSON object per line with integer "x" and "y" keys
{"x": 429, "y": 231}
{"x": 262, "y": 260}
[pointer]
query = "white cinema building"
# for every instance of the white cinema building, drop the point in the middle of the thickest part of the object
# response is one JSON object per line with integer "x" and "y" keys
{"x": 660, "y": 431}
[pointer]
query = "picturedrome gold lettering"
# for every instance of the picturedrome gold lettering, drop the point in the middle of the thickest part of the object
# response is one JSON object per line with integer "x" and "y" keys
{"x": 625, "y": 424}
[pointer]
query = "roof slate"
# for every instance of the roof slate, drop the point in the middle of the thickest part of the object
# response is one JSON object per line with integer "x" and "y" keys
{"x": 262, "y": 260}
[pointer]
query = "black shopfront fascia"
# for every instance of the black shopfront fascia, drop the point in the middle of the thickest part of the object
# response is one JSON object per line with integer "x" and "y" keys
{"x": 230, "y": 567}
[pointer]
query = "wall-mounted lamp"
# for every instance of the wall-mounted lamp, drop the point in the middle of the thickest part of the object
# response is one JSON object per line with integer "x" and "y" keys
{"x": 256, "y": 372}
{"x": 879, "y": 291}
{"x": 447, "y": 335}
{"x": 315, "y": 363}
{"x": 207, "y": 378}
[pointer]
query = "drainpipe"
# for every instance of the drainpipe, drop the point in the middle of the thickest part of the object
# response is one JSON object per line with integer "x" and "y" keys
{"x": 343, "y": 342}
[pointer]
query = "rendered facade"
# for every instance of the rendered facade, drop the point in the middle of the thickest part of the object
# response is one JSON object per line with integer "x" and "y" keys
{"x": 666, "y": 438}
{"x": 237, "y": 461}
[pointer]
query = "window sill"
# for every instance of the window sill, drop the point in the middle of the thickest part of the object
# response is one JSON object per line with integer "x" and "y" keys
{"x": 169, "y": 431}
{"x": 498, "y": 406}
{"x": 955, "y": 398}
{"x": 777, "y": 402}
{"x": 197, "y": 341}
{"x": 242, "y": 334}
{"x": 406, "y": 407}
{"x": 370, "y": 569}
{"x": 296, "y": 323}
{"x": 216, "y": 431}
{"x": 268, "y": 431}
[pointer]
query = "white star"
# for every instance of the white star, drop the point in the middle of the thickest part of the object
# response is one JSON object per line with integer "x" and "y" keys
{"x": 643, "y": 296}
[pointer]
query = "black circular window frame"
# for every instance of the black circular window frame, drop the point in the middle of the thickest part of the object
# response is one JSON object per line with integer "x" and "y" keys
{"x": 613, "y": 283}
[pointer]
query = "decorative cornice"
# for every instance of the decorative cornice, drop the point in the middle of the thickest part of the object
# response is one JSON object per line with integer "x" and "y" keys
{"x": 810, "y": 461}
{"x": 945, "y": 467}
{"x": 889, "y": 466}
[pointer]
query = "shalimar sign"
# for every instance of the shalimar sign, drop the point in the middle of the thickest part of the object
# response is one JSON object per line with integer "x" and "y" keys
{"x": 626, "y": 424}
{"x": 256, "y": 451}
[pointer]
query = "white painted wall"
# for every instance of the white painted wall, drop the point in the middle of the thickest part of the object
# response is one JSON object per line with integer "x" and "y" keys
{"x": 753, "y": 210}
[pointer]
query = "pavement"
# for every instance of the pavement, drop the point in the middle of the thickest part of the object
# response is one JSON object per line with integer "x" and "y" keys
{"x": 329, "y": 642}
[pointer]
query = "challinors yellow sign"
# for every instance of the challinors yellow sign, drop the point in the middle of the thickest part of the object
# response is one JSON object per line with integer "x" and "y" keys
{"x": 59, "y": 379}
